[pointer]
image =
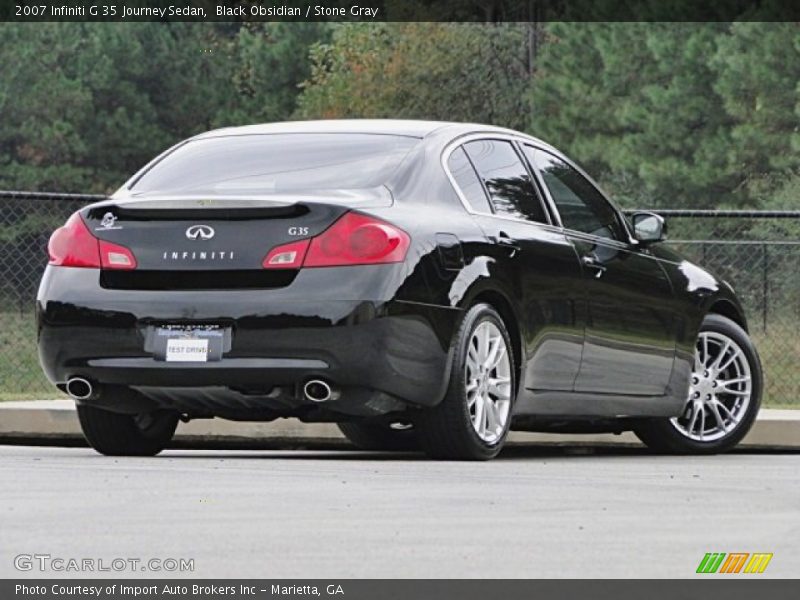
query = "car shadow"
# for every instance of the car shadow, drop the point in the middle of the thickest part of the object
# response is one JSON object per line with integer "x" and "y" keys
{"x": 344, "y": 452}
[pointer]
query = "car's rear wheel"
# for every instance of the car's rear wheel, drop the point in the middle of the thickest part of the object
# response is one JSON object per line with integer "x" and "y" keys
{"x": 724, "y": 395}
{"x": 115, "y": 434}
{"x": 473, "y": 419}
{"x": 394, "y": 436}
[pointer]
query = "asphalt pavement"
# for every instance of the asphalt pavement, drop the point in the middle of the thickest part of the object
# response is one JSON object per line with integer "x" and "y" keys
{"x": 536, "y": 511}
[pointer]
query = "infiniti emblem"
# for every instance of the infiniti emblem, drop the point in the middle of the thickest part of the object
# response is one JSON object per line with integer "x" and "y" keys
{"x": 200, "y": 232}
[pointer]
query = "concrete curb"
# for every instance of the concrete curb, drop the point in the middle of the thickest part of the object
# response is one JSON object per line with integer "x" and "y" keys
{"x": 55, "y": 422}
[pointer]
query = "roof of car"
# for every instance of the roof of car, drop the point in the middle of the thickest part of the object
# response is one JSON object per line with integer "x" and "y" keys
{"x": 376, "y": 126}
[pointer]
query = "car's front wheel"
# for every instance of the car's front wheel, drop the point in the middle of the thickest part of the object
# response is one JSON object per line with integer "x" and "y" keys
{"x": 115, "y": 434}
{"x": 473, "y": 419}
{"x": 724, "y": 394}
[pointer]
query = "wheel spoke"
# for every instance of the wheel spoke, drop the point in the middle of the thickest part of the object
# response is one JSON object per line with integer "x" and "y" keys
{"x": 484, "y": 342}
{"x": 702, "y": 422}
{"x": 734, "y": 355}
{"x": 491, "y": 416}
{"x": 692, "y": 419}
{"x": 472, "y": 395}
{"x": 721, "y": 406}
{"x": 717, "y": 416}
{"x": 478, "y": 419}
{"x": 698, "y": 362}
{"x": 473, "y": 358}
{"x": 721, "y": 355}
{"x": 500, "y": 387}
{"x": 726, "y": 382}
{"x": 497, "y": 354}
{"x": 737, "y": 392}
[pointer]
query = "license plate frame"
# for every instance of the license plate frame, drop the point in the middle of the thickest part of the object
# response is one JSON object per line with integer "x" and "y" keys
{"x": 187, "y": 343}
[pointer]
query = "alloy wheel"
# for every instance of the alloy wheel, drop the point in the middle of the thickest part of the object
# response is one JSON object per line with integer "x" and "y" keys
{"x": 488, "y": 382}
{"x": 720, "y": 392}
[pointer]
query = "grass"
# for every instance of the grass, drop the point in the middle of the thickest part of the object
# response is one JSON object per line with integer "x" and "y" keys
{"x": 779, "y": 350}
{"x": 21, "y": 377}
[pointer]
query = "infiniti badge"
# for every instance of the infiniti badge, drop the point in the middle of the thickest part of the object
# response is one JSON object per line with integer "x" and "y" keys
{"x": 200, "y": 232}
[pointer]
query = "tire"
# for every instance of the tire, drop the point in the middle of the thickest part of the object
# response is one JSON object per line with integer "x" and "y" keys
{"x": 115, "y": 434}
{"x": 681, "y": 435}
{"x": 379, "y": 436}
{"x": 447, "y": 431}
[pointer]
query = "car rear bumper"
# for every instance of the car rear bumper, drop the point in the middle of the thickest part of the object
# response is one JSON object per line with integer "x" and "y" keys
{"x": 381, "y": 353}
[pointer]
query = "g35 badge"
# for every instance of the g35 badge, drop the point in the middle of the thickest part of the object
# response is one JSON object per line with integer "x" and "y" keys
{"x": 298, "y": 231}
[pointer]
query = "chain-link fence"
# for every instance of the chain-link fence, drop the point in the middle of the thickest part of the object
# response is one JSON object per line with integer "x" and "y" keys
{"x": 757, "y": 252}
{"x": 26, "y": 221}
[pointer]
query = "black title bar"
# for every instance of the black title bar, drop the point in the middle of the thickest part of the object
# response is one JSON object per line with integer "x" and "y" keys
{"x": 709, "y": 587}
{"x": 399, "y": 10}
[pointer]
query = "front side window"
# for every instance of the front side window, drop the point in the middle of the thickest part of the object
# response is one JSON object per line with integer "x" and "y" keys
{"x": 510, "y": 188}
{"x": 581, "y": 205}
{"x": 276, "y": 163}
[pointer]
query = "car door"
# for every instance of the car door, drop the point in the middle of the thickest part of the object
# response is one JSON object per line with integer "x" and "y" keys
{"x": 534, "y": 261}
{"x": 630, "y": 340}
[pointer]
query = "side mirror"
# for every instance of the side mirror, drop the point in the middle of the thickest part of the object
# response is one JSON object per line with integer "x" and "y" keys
{"x": 648, "y": 227}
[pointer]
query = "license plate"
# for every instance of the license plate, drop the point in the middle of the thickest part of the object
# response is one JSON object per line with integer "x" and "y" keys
{"x": 187, "y": 350}
{"x": 187, "y": 343}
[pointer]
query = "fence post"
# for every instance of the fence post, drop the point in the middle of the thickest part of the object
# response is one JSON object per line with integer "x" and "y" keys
{"x": 765, "y": 283}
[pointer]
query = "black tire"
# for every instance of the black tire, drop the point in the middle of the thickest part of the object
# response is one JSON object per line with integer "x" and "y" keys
{"x": 662, "y": 436}
{"x": 115, "y": 434}
{"x": 446, "y": 431}
{"x": 379, "y": 436}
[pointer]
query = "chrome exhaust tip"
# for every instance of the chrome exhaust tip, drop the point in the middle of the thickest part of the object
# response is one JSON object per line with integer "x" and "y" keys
{"x": 317, "y": 390}
{"x": 79, "y": 388}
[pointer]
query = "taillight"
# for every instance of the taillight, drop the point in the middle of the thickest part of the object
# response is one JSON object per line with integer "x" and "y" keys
{"x": 354, "y": 239}
{"x": 73, "y": 245}
{"x": 357, "y": 240}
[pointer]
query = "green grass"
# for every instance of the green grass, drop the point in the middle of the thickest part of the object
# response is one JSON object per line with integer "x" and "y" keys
{"x": 21, "y": 377}
{"x": 779, "y": 350}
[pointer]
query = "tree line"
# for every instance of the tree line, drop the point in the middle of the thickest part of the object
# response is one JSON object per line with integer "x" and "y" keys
{"x": 664, "y": 114}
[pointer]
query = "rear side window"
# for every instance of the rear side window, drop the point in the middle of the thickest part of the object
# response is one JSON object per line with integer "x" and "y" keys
{"x": 581, "y": 205}
{"x": 467, "y": 181}
{"x": 506, "y": 179}
{"x": 275, "y": 163}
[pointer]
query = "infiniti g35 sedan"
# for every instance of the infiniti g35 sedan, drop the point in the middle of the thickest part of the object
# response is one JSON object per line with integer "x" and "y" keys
{"x": 424, "y": 285}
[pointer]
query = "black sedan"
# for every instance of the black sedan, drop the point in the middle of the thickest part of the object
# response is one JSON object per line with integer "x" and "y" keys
{"x": 422, "y": 284}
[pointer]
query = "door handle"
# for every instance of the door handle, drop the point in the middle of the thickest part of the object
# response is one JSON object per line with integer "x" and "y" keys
{"x": 502, "y": 239}
{"x": 591, "y": 262}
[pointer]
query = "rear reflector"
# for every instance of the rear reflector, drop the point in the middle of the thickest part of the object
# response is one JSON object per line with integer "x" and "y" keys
{"x": 113, "y": 256}
{"x": 73, "y": 245}
{"x": 287, "y": 256}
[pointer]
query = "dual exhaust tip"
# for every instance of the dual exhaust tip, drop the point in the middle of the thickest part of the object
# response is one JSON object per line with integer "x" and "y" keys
{"x": 79, "y": 388}
{"x": 315, "y": 390}
{"x": 318, "y": 390}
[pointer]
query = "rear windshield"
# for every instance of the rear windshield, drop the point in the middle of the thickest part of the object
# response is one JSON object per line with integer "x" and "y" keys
{"x": 275, "y": 163}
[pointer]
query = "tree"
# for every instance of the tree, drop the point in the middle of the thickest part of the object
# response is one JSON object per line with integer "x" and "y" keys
{"x": 87, "y": 104}
{"x": 270, "y": 62}
{"x": 758, "y": 79}
{"x": 636, "y": 103}
{"x": 461, "y": 72}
